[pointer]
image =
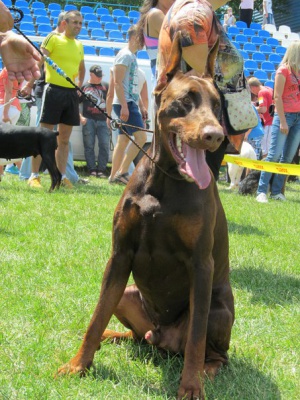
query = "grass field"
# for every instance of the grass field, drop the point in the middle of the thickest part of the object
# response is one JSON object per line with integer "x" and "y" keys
{"x": 53, "y": 251}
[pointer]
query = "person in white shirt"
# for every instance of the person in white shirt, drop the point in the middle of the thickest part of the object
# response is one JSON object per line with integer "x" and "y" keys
{"x": 246, "y": 11}
{"x": 268, "y": 12}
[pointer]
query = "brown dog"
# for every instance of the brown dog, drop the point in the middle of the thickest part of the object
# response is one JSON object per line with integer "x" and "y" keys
{"x": 170, "y": 231}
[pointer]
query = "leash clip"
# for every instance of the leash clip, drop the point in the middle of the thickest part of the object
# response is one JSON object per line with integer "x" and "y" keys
{"x": 116, "y": 123}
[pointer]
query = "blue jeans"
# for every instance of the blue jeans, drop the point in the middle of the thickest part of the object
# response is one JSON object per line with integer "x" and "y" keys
{"x": 90, "y": 130}
{"x": 283, "y": 149}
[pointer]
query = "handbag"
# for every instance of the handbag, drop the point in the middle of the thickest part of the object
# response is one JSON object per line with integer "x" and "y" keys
{"x": 238, "y": 112}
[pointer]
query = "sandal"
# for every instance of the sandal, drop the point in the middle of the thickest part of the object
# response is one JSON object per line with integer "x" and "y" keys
{"x": 121, "y": 178}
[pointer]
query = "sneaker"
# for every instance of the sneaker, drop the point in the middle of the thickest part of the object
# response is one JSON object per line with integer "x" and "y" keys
{"x": 12, "y": 170}
{"x": 66, "y": 183}
{"x": 262, "y": 198}
{"x": 101, "y": 175}
{"x": 82, "y": 181}
{"x": 93, "y": 172}
{"x": 279, "y": 196}
{"x": 121, "y": 178}
{"x": 35, "y": 182}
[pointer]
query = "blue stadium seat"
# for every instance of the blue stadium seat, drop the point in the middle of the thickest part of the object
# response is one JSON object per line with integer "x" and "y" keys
{"x": 264, "y": 34}
{"x": 269, "y": 84}
{"x": 115, "y": 36}
{"x": 93, "y": 25}
{"x": 25, "y": 10}
{"x": 40, "y": 12}
{"x": 261, "y": 75}
{"x": 269, "y": 67}
{"x": 266, "y": 49}
{"x": 241, "y": 38}
{"x": 54, "y": 13}
{"x": 84, "y": 34}
{"x": 111, "y": 26}
{"x": 257, "y": 40}
{"x": 251, "y": 65}
{"x": 280, "y": 50}
{"x": 102, "y": 11}
{"x": 89, "y": 17}
{"x": 90, "y": 50}
{"x": 256, "y": 26}
{"x": 133, "y": 14}
{"x": 27, "y": 28}
{"x": 123, "y": 20}
{"x": 241, "y": 24}
{"x": 250, "y": 48}
{"x": 233, "y": 30}
{"x": 98, "y": 34}
{"x": 86, "y": 10}
{"x": 117, "y": 12}
{"x": 37, "y": 4}
{"x": 244, "y": 54}
{"x": 249, "y": 33}
{"x": 142, "y": 54}
{"x": 246, "y": 73}
{"x": 273, "y": 76}
{"x": 258, "y": 56}
{"x": 106, "y": 51}
{"x": 69, "y": 7}
{"x": 125, "y": 27}
{"x": 44, "y": 29}
{"x": 275, "y": 59}
{"x": 106, "y": 18}
{"x": 21, "y": 3}
{"x": 272, "y": 42}
{"x": 54, "y": 6}
{"x": 41, "y": 19}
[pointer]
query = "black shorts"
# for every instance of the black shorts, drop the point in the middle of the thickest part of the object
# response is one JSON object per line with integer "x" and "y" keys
{"x": 60, "y": 105}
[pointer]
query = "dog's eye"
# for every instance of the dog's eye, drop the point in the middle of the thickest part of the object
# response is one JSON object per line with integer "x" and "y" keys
{"x": 187, "y": 100}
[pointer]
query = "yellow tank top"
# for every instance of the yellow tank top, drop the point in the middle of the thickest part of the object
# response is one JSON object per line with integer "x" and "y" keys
{"x": 67, "y": 54}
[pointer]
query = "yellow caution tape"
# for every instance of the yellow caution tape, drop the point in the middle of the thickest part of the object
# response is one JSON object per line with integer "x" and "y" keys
{"x": 278, "y": 168}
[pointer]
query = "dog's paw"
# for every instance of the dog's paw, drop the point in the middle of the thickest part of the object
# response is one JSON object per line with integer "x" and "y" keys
{"x": 74, "y": 367}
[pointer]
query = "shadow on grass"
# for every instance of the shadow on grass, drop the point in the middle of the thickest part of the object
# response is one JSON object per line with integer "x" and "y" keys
{"x": 245, "y": 229}
{"x": 267, "y": 287}
{"x": 239, "y": 380}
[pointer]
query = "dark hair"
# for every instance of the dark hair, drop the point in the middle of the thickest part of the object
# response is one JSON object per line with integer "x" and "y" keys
{"x": 144, "y": 10}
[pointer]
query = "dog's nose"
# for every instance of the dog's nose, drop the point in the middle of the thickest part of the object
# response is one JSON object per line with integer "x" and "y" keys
{"x": 213, "y": 135}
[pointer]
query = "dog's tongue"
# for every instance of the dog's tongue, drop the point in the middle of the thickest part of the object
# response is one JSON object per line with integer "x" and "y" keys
{"x": 195, "y": 166}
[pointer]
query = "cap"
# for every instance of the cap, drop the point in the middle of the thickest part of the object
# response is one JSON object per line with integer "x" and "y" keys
{"x": 95, "y": 69}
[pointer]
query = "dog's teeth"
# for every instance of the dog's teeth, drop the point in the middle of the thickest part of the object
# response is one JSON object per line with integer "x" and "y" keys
{"x": 178, "y": 144}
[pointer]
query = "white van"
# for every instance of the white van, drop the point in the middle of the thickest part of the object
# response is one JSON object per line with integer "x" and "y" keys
{"x": 105, "y": 63}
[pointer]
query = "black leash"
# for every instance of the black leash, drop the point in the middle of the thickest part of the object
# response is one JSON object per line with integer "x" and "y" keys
{"x": 115, "y": 123}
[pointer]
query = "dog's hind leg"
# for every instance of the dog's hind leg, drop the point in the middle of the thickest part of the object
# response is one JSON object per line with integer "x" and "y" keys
{"x": 131, "y": 313}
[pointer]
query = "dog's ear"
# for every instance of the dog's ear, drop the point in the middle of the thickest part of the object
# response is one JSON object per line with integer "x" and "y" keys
{"x": 172, "y": 66}
{"x": 211, "y": 60}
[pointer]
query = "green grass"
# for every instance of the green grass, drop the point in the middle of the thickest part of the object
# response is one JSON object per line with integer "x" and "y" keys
{"x": 53, "y": 251}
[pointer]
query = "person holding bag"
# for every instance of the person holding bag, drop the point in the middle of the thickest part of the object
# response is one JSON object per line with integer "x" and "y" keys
{"x": 200, "y": 30}
{"x": 285, "y": 136}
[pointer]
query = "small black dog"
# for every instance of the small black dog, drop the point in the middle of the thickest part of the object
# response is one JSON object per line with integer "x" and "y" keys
{"x": 25, "y": 141}
{"x": 249, "y": 184}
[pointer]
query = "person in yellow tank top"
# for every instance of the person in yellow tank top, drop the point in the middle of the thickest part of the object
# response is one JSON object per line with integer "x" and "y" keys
{"x": 60, "y": 102}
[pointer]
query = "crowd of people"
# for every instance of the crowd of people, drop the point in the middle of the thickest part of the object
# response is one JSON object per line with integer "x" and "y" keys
{"x": 158, "y": 24}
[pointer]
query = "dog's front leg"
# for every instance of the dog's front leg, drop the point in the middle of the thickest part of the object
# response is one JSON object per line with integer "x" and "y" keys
{"x": 113, "y": 285}
{"x": 192, "y": 378}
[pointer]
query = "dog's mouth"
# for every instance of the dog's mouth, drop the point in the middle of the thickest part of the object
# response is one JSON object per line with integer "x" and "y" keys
{"x": 191, "y": 162}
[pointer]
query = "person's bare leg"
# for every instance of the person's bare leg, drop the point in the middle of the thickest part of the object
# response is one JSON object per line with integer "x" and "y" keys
{"x": 118, "y": 154}
{"x": 132, "y": 151}
{"x": 63, "y": 147}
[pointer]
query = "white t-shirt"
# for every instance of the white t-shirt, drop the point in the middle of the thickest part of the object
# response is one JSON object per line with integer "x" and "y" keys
{"x": 268, "y": 6}
{"x": 245, "y": 4}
